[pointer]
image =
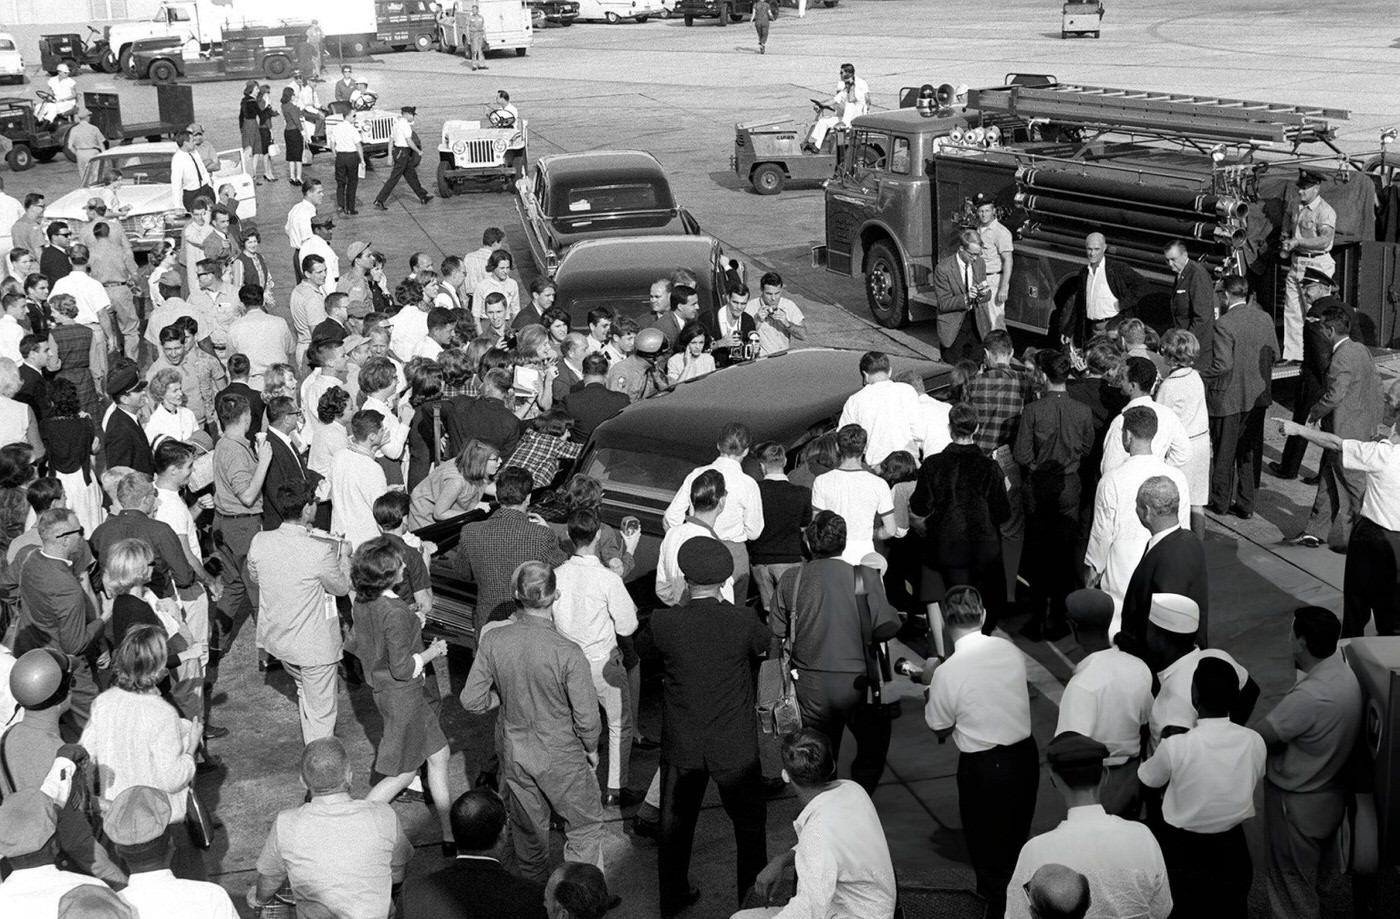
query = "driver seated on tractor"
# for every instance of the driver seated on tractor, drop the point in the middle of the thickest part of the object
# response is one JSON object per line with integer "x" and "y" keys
{"x": 504, "y": 115}
{"x": 64, "y": 92}
{"x": 852, "y": 98}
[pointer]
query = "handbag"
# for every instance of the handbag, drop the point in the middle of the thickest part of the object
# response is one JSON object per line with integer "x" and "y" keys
{"x": 780, "y": 713}
{"x": 878, "y": 672}
{"x": 197, "y": 821}
{"x": 273, "y": 149}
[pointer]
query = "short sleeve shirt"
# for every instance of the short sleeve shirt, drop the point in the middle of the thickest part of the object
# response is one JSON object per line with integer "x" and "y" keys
{"x": 403, "y": 132}
{"x": 859, "y": 497}
{"x": 1381, "y": 463}
{"x": 1309, "y": 221}
{"x": 1319, "y": 720}
{"x": 996, "y": 242}
{"x": 980, "y": 693}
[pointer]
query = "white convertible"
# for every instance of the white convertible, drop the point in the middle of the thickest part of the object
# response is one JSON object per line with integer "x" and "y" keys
{"x": 151, "y": 213}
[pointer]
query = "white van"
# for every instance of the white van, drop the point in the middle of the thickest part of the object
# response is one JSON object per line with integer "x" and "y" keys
{"x": 619, "y": 10}
{"x": 507, "y": 25}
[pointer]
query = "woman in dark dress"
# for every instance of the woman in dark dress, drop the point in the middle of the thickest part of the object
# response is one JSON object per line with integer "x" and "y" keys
{"x": 388, "y": 639}
{"x": 265, "y": 115}
{"x": 83, "y": 356}
{"x": 125, "y": 575}
{"x": 70, "y": 434}
{"x": 961, "y": 496}
{"x": 248, "y": 124}
{"x": 425, "y": 393}
{"x": 292, "y": 138}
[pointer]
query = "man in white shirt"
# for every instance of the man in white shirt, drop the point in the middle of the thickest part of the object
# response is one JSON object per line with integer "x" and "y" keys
{"x": 189, "y": 179}
{"x": 1171, "y": 442}
{"x": 841, "y": 858}
{"x": 1172, "y": 652}
{"x": 778, "y": 319}
{"x": 330, "y": 368}
{"x": 265, "y": 340}
{"x": 94, "y": 306}
{"x": 357, "y": 480}
{"x": 858, "y": 495}
{"x": 344, "y": 140}
{"x": 319, "y": 243}
{"x": 408, "y": 327}
{"x": 600, "y": 320}
{"x": 996, "y": 256}
{"x": 442, "y": 323}
{"x": 931, "y": 424}
{"x": 308, "y": 305}
{"x": 174, "y": 463}
{"x": 707, "y": 496}
{"x": 474, "y": 262}
{"x": 10, "y": 211}
{"x": 593, "y": 609}
{"x": 136, "y": 824}
{"x": 11, "y": 332}
{"x": 1119, "y": 858}
{"x": 1210, "y": 773}
{"x": 380, "y": 382}
{"x": 741, "y": 518}
{"x": 406, "y": 152}
{"x": 886, "y": 409}
{"x": 852, "y": 98}
{"x": 979, "y": 696}
{"x": 1117, "y": 538}
{"x": 1108, "y": 699}
{"x": 298, "y": 226}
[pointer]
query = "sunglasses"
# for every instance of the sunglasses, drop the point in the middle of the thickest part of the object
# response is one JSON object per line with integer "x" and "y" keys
{"x": 77, "y": 532}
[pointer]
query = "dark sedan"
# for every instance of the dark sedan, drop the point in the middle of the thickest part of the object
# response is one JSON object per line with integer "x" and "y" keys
{"x": 642, "y": 455}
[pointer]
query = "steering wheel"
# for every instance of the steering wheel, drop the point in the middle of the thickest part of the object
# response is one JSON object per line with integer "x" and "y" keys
{"x": 499, "y": 118}
{"x": 821, "y": 106}
{"x": 44, "y": 95}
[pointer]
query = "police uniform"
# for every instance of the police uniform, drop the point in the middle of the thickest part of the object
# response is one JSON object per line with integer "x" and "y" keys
{"x": 996, "y": 242}
{"x": 344, "y": 140}
{"x": 1305, "y": 222}
{"x": 406, "y": 159}
{"x": 635, "y": 376}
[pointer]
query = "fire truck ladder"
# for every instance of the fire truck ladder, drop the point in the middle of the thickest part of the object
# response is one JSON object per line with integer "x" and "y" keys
{"x": 1192, "y": 118}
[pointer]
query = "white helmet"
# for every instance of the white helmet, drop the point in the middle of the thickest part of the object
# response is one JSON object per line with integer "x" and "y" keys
{"x": 65, "y": 70}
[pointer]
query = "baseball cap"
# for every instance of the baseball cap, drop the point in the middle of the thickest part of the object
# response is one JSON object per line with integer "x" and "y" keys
{"x": 138, "y": 815}
{"x": 355, "y": 250}
{"x": 28, "y": 820}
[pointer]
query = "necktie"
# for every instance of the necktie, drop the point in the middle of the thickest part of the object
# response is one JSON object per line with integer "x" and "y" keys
{"x": 198, "y": 169}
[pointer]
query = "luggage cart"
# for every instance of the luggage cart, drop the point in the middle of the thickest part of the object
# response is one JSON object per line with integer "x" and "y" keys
{"x": 1081, "y": 17}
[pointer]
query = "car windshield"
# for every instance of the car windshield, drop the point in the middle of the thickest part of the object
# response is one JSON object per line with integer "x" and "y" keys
{"x": 640, "y": 473}
{"x": 604, "y": 199}
{"x": 136, "y": 169}
{"x": 6, "y": 44}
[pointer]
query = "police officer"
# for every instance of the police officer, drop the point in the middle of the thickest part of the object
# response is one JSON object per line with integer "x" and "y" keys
{"x": 642, "y": 373}
{"x": 996, "y": 254}
{"x": 407, "y": 154}
{"x": 344, "y": 140}
{"x": 1308, "y": 232}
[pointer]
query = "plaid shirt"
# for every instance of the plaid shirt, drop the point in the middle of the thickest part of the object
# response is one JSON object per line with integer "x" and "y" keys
{"x": 540, "y": 454}
{"x": 489, "y": 552}
{"x": 998, "y": 394}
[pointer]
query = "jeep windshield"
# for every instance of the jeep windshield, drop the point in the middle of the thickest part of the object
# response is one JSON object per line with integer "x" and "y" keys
{"x": 135, "y": 169}
{"x": 624, "y": 205}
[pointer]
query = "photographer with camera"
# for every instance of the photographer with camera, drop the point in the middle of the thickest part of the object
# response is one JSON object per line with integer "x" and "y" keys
{"x": 961, "y": 290}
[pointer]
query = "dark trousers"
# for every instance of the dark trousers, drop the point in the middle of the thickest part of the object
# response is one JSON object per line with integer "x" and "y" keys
{"x": 1295, "y": 446}
{"x": 682, "y": 793}
{"x": 188, "y": 198}
{"x": 996, "y": 801}
{"x": 405, "y": 167}
{"x": 1052, "y": 523}
{"x": 1209, "y": 873}
{"x": 1238, "y": 445}
{"x": 1369, "y": 582}
{"x": 832, "y": 702}
{"x": 296, "y": 265}
{"x": 347, "y": 180}
{"x": 985, "y": 570}
{"x": 967, "y": 345}
{"x": 1338, "y": 501}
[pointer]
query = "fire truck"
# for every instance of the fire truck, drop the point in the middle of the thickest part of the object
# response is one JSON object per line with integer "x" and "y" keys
{"x": 1062, "y": 160}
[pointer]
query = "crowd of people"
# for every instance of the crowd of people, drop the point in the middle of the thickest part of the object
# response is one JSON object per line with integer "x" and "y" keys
{"x": 238, "y": 468}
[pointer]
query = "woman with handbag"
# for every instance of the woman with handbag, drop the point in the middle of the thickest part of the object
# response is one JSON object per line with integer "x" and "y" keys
{"x": 830, "y": 615}
{"x": 292, "y": 137}
{"x": 136, "y": 737}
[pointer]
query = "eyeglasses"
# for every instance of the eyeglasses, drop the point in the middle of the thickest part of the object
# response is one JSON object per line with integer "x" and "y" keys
{"x": 78, "y": 532}
{"x": 197, "y": 134}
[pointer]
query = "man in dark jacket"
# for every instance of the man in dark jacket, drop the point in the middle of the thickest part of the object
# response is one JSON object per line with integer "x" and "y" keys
{"x": 1193, "y": 299}
{"x": 1238, "y": 393}
{"x": 476, "y": 884}
{"x": 124, "y": 441}
{"x": 1175, "y": 563}
{"x": 485, "y": 418}
{"x": 288, "y": 464}
{"x": 593, "y": 403}
{"x": 708, "y": 650}
{"x": 787, "y": 509}
{"x": 1105, "y": 288}
{"x": 1319, "y": 294}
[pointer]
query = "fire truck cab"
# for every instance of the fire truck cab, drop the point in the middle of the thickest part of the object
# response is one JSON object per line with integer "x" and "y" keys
{"x": 1063, "y": 160}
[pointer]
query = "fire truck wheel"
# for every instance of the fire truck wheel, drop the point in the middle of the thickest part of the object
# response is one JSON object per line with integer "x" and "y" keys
{"x": 884, "y": 286}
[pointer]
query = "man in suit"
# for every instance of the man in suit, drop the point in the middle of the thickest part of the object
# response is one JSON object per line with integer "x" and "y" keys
{"x": 124, "y": 442}
{"x": 1351, "y": 409}
{"x": 239, "y": 371}
{"x": 570, "y": 367}
{"x": 708, "y": 649}
{"x": 38, "y": 361}
{"x": 593, "y": 403}
{"x": 1319, "y": 293}
{"x": 730, "y": 326}
{"x": 1238, "y": 393}
{"x": 288, "y": 465}
{"x": 685, "y": 308}
{"x": 490, "y": 550}
{"x": 1105, "y": 289}
{"x": 1174, "y": 563}
{"x": 486, "y": 417}
{"x": 476, "y": 884}
{"x": 1193, "y": 299}
{"x": 960, "y": 288}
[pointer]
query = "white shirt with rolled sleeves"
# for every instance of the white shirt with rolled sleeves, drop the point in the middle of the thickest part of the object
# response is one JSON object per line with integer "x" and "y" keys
{"x": 842, "y": 858}
{"x": 888, "y": 412}
{"x": 1380, "y": 461}
{"x": 741, "y": 519}
{"x": 771, "y": 337}
{"x": 1210, "y": 773}
{"x": 298, "y": 226}
{"x": 343, "y": 137}
{"x": 1109, "y": 698}
{"x": 356, "y": 482}
{"x": 996, "y": 242}
{"x": 315, "y": 245}
{"x": 1171, "y": 443}
{"x": 1120, "y": 859}
{"x": 89, "y": 293}
{"x": 980, "y": 693}
{"x": 1173, "y": 703}
{"x": 407, "y": 328}
{"x": 670, "y": 583}
{"x": 402, "y": 132}
{"x": 931, "y": 426}
{"x": 593, "y": 606}
{"x": 187, "y": 173}
{"x": 1117, "y": 538}
{"x": 860, "y": 498}
{"x": 396, "y": 432}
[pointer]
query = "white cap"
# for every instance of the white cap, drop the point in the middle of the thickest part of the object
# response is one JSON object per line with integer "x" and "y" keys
{"x": 1175, "y": 613}
{"x": 64, "y": 69}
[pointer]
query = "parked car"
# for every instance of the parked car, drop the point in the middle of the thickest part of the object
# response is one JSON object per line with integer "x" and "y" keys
{"x": 614, "y": 11}
{"x": 470, "y": 151}
{"x": 618, "y": 272}
{"x": 11, "y": 60}
{"x": 570, "y": 197}
{"x": 642, "y": 455}
{"x": 152, "y": 213}
{"x": 559, "y": 12}
{"x": 726, "y": 11}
